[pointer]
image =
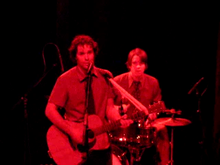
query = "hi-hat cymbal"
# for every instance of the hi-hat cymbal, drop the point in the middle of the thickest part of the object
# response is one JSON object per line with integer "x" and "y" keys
{"x": 169, "y": 121}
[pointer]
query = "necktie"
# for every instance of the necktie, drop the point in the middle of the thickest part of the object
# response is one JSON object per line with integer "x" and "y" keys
{"x": 91, "y": 104}
{"x": 136, "y": 92}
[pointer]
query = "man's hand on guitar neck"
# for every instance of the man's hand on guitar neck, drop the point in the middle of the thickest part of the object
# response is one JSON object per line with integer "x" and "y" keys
{"x": 122, "y": 109}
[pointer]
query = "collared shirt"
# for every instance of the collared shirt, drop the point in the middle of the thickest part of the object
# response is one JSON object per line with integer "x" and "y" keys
{"x": 69, "y": 92}
{"x": 149, "y": 89}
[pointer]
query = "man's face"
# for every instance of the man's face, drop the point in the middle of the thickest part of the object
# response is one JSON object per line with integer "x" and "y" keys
{"x": 137, "y": 67}
{"x": 84, "y": 56}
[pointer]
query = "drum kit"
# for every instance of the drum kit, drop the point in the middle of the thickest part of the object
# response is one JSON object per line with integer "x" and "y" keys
{"x": 136, "y": 138}
{"x": 132, "y": 141}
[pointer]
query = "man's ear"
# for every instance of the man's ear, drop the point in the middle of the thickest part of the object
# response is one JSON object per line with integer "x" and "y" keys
{"x": 129, "y": 68}
{"x": 146, "y": 67}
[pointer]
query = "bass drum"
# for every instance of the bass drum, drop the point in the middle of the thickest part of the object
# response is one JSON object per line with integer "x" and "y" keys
{"x": 118, "y": 156}
{"x": 134, "y": 135}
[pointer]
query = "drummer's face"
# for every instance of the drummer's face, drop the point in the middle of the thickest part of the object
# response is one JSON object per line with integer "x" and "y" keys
{"x": 137, "y": 67}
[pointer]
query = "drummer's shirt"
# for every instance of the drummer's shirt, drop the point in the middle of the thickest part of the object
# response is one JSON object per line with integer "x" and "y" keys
{"x": 150, "y": 91}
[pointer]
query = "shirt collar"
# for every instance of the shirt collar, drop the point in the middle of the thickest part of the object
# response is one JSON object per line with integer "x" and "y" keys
{"x": 131, "y": 80}
{"x": 82, "y": 76}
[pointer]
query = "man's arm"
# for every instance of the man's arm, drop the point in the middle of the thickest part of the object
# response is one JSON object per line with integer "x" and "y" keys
{"x": 112, "y": 112}
{"x": 53, "y": 114}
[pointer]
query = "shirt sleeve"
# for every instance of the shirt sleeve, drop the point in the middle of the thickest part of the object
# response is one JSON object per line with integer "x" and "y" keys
{"x": 59, "y": 93}
{"x": 157, "y": 92}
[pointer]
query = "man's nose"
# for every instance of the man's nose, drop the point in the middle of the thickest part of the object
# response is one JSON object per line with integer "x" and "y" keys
{"x": 138, "y": 65}
{"x": 86, "y": 56}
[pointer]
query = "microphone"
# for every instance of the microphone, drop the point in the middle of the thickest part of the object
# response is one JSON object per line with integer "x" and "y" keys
{"x": 90, "y": 68}
{"x": 196, "y": 84}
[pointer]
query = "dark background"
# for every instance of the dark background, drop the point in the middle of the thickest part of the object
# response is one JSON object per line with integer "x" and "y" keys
{"x": 180, "y": 39}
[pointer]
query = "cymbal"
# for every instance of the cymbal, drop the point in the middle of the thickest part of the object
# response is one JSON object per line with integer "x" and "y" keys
{"x": 169, "y": 121}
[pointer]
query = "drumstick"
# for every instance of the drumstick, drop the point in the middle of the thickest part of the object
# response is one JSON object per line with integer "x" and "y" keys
{"x": 134, "y": 101}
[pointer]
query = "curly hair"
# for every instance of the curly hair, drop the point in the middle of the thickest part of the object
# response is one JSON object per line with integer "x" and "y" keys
{"x": 81, "y": 40}
{"x": 139, "y": 52}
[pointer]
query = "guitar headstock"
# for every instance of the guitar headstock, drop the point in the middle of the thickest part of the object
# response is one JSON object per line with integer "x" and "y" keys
{"x": 156, "y": 107}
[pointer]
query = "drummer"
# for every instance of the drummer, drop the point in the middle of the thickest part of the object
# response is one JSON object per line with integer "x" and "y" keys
{"x": 145, "y": 88}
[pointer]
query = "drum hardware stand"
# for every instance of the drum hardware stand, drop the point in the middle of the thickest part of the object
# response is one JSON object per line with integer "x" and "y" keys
{"x": 121, "y": 156}
{"x": 199, "y": 122}
{"x": 171, "y": 145}
{"x": 135, "y": 154}
{"x": 172, "y": 122}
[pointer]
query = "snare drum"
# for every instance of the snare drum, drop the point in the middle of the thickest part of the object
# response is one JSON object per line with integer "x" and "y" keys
{"x": 124, "y": 136}
{"x": 119, "y": 156}
{"x": 147, "y": 136}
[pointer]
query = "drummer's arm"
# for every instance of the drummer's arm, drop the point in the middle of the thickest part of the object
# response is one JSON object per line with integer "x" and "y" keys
{"x": 157, "y": 99}
{"x": 113, "y": 114}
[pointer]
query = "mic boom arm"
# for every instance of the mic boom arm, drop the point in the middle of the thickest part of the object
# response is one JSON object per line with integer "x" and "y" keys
{"x": 194, "y": 86}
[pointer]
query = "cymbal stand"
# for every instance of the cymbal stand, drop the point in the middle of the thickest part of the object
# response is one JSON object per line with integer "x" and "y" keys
{"x": 171, "y": 145}
{"x": 135, "y": 154}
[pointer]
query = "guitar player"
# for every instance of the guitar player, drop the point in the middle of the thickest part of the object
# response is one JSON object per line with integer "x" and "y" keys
{"x": 87, "y": 98}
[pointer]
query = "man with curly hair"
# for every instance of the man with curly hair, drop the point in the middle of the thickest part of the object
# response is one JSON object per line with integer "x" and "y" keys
{"x": 71, "y": 92}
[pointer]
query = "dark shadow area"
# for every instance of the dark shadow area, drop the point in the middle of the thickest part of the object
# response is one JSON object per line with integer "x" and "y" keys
{"x": 181, "y": 42}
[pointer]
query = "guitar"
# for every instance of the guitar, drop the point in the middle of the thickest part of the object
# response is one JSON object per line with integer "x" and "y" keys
{"x": 61, "y": 148}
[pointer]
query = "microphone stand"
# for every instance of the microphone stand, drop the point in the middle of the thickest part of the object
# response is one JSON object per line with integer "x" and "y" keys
{"x": 198, "y": 111}
{"x": 85, "y": 143}
{"x": 24, "y": 99}
{"x": 201, "y": 141}
{"x": 200, "y": 126}
{"x": 198, "y": 96}
{"x": 199, "y": 123}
